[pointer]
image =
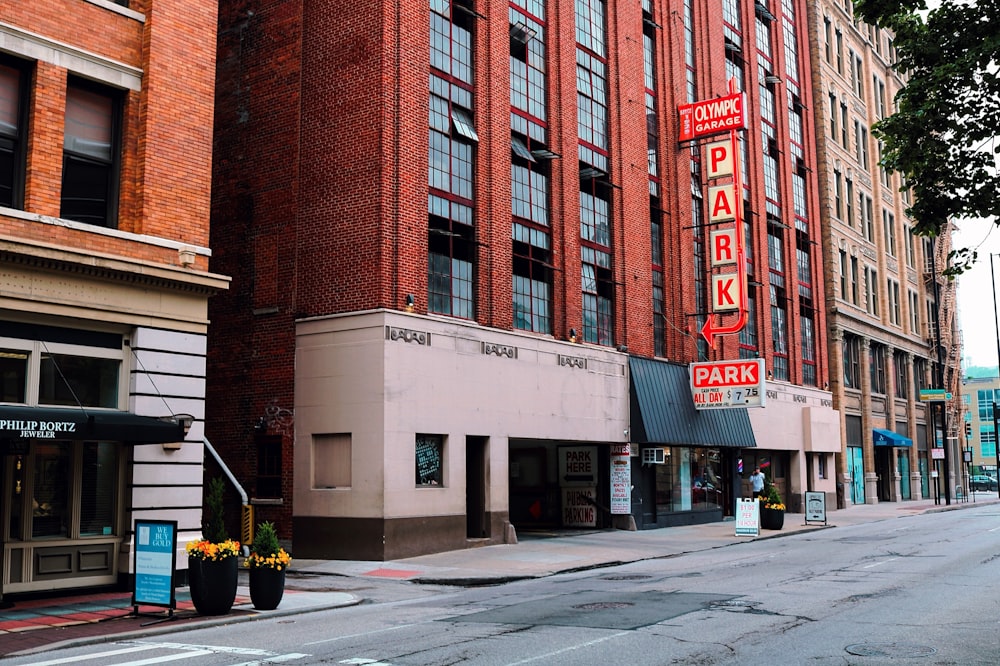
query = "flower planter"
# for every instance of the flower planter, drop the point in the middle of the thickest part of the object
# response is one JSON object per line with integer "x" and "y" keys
{"x": 267, "y": 586}
{"x": 213, "y": 584}
{"x": 772, "y": 519}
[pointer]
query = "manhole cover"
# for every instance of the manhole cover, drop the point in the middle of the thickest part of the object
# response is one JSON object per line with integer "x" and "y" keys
{"x": 891, "y": 650}
{"x": 627, "y": 577}
{"x": 604, "y": 605}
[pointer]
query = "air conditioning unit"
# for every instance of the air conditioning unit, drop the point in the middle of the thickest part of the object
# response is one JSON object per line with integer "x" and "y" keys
{"x": 653, "y": 457}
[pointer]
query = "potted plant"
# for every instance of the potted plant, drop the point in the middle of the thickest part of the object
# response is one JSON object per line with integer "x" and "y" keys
{"x": 212, "y": 562}
{"x": 267, "y": 563}
{"x": 772, "y": 509}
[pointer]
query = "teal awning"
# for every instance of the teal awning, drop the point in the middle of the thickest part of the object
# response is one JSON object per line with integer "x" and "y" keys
{"x": 882, "y": 437}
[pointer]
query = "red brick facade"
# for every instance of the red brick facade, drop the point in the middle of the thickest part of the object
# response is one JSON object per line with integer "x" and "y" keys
{"x": 320, "y": 198}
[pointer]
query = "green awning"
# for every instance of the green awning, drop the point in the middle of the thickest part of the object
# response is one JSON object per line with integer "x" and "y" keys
{"x": 662, "y": 410}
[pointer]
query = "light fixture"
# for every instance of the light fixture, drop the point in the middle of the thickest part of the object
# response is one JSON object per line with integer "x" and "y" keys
{"x": 771, "y": 78}
{"x": 622, "y": 348}
{"x": 572, "y": 335}
{"x": 410, "y": 302}
{"x": 770, "y": 375}
{"x": 185, "y": 421}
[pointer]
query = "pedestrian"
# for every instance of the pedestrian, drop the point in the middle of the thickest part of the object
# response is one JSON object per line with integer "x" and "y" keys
{"x": 757, "y": 479}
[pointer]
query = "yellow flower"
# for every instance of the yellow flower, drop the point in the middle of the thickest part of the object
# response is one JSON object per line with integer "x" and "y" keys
{"x": 207, "y": 550}
{"x": 277, "y": 561}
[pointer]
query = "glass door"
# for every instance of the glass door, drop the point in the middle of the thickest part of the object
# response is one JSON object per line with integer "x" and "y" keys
{"x": 856, "y": 470}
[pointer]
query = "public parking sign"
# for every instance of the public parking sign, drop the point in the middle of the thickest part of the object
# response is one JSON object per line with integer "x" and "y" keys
{"x": 727, "y": 384}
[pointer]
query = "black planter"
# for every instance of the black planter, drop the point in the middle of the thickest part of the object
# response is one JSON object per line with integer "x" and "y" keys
{"x": 213, "y": 584}
{"x": 267, "y": 586}
{"x": 772, "y": 519}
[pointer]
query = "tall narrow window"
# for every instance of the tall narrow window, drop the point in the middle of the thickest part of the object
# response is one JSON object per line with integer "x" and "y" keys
{"x": 12, "y": 154}
{"x": 530, "y": 169}
{"x": 90, "y": 155}
{"x": 451, "y": 241}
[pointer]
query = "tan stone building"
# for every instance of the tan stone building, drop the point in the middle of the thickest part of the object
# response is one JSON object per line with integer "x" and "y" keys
{"x": 105, "y": 150}
{"x": 891, "y": 317}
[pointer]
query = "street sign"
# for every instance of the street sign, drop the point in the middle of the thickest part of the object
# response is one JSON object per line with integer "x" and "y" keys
{"x": 934, "y": 395}
{"x": 728, "y": 384}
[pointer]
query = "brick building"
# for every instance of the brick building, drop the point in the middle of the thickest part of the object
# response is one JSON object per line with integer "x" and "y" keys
{"x": 105, "y": 155}
{"x": 892, "y": 315}
{"x": 470, "y": 261}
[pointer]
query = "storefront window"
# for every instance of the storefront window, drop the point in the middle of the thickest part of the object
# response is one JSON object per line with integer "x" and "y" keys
{"x": 78, "y": 381}
{"x": 98, "y": 489}
{"x": 13, "y": 376}
{"x": 50, "y": 491}
{"x": 691, "y": 480}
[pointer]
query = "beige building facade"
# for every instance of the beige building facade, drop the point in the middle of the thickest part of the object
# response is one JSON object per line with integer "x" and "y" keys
{"x": 893, "y": 340}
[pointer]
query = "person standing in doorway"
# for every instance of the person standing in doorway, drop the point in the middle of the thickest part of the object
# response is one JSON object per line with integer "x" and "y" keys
{"x": 757, "y": 479}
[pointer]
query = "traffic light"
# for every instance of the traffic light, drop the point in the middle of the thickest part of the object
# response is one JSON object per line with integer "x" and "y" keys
{"x": 968, "y": 430}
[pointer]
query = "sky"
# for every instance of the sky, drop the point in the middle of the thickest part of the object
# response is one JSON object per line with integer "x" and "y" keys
{"x": 976, "y": 305}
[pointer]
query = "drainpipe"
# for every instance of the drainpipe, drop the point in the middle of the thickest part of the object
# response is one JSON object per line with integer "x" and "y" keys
{"x": 246, "y": 511}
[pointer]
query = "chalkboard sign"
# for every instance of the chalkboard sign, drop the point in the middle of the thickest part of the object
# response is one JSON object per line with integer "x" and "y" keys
{"x": 428, "y": 460}
{"x": 155, "y": 562}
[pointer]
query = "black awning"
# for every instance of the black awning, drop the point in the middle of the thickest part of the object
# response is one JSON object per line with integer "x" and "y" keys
{"x": 882, "y": 437}
{"x": 19, "y": 423}
{"x": 662, "y": 410}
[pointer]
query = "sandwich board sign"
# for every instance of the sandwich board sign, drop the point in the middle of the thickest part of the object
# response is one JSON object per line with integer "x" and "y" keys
{"x": 747, "y": 517}
{"x": 154, "y": 559}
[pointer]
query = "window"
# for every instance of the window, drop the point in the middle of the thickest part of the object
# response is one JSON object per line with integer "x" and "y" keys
{"x": 876, "y": 362}
{"x": 871, "y": 290}
{"x": 913, "y": 301}
{"x": 852, "y": 361}
{"x": 843, "y": 275}
{"x": 532, "y": 280}
{"x": 331, "y": 454}
{"x": 910, "y": 245}
{"x": 861, "y": 143}
{"x": 90, "y": 154}
{"x": 269, "y": 466}
{"x": 430, "y": 460}
{"x": 13, "y": 375}
{"x": 920, "y": 373}
{"x": 855, "y": 299}
{"x": 779, "y": 333}
{"x": 451, "y": 241}
{"x": 834, "y": 132}
{"x": 838, "y": 198}
{"x": 598, "y": 290}
{"x": 895, "y": 317}
{"x": 808, "y": 344}
{"x": 867, "y": 217}
{"x": 902, "y": 386}
{"x": 827, "y": 41}
{"x": 13, "y": 102}
{"x": 889, "y": 229}
{"x": 849, "y": 199}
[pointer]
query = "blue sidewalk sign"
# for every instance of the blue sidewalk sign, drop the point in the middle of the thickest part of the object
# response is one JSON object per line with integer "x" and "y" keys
{"x": 155, "y": 559}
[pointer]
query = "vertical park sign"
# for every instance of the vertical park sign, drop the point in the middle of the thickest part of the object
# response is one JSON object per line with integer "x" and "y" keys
{"x": 724, "y": 115}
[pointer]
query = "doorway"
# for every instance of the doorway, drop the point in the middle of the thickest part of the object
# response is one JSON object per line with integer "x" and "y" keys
{"x": 477, "y": 524}
{"x": 856, "y": 470}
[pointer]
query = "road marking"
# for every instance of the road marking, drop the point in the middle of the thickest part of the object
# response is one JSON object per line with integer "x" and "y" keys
{"x": 877, "y": 564}
{"x": 366, "y": 633}
{"x": 571, "y": 648}
{"x": 109, "y": 653}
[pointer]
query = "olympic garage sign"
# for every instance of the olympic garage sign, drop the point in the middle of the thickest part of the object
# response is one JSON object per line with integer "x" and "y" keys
{"x": 713, "y": 116}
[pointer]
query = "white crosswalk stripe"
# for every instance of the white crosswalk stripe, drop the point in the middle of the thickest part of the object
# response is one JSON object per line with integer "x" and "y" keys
{"x": 179, "y": 651}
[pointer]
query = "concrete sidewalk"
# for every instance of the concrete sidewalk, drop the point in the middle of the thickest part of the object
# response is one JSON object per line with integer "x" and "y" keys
{"x": 41, "y": 624}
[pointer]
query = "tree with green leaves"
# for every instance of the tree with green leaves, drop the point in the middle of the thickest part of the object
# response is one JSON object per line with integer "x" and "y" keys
{"x": 943, "y": 137}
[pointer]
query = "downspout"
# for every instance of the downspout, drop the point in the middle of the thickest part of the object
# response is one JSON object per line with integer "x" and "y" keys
{"x": 246, "y": 511}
